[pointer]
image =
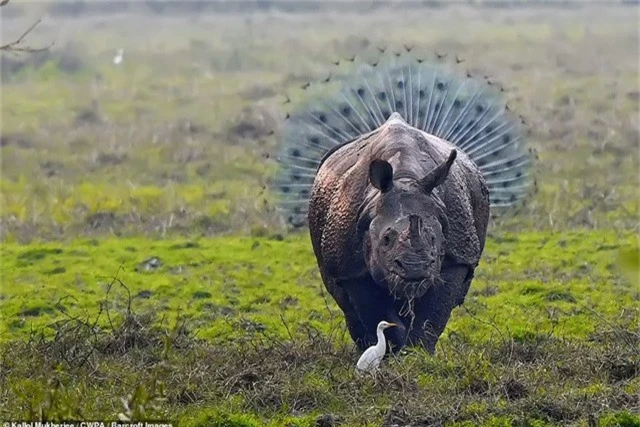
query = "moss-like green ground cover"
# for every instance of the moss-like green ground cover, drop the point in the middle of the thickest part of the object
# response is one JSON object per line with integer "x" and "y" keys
{"x": 526, "y": 280}
{"x": 144, "y": 273}
{"x": 548, "y": 333}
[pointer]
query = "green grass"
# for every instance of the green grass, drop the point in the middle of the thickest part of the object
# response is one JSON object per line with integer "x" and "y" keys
{"x": 107, "y": 170}
{"x": 162, "y": 139}
{"x": 558, "y": 280}
{"x": 253, "y": 309}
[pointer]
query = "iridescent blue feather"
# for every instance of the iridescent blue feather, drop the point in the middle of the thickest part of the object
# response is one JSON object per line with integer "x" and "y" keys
{"x": 429, "y": 96}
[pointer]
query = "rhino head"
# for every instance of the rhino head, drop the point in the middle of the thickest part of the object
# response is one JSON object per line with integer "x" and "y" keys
{"x": 404, "y": 245}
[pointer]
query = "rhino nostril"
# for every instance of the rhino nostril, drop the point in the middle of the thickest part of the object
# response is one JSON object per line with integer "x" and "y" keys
{"x": 397, "y": 263}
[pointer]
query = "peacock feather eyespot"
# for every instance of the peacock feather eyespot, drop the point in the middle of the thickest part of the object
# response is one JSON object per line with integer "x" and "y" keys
{"x": 433, "y": 100}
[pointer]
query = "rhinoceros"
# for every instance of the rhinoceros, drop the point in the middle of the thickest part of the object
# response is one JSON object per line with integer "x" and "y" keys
{"x": 395, "y": 173}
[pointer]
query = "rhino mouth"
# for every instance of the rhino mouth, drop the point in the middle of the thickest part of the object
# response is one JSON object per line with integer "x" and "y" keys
{"x": 403, "y": 287}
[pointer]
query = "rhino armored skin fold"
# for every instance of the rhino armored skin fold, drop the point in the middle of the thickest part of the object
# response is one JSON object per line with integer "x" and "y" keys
{"x": 395, "y": 173}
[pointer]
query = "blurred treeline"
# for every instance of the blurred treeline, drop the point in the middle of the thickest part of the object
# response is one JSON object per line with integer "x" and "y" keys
{"x": 172, "y": 7}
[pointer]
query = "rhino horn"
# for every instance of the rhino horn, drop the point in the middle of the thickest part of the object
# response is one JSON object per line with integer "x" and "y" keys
{"x": 415, "y": 225}
{"x": 438, "y": 174}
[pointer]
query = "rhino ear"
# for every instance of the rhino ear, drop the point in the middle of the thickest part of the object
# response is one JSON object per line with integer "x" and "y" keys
{"x": 438, "y": 174}
{"x": 381, "y": 175}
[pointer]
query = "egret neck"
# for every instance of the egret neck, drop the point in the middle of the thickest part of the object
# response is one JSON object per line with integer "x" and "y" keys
{"x": 381, "y": 346}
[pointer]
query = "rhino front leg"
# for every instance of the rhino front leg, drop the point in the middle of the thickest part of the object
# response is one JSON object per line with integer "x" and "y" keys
{"x": 355, "y": 325}
{"x": 433, "y": 310}
{"x": 364, "y": 305}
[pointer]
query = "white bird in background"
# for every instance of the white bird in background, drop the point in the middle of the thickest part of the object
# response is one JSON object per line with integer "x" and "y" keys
{"x": 371, "y": 358}
{"x": 118, "y": 58}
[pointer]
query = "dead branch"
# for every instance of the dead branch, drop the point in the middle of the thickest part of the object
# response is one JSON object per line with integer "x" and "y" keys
{"x": 15, "y": 46}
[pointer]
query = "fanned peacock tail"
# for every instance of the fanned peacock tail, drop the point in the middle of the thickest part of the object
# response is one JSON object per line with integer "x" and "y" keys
{"x": 429, "y": 95}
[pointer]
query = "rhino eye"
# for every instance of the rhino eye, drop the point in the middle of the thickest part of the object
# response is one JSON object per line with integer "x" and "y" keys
{"x": 387, "y": 238}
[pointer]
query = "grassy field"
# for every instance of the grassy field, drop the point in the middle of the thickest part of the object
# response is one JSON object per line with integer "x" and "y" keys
{"x": 145, "y": 274}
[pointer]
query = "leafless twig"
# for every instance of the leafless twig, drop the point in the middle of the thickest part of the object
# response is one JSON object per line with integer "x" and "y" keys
{"x": 15, "y": 46}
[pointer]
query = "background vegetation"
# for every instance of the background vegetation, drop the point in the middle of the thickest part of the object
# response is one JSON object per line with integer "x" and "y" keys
{"x": 145, "y": 273}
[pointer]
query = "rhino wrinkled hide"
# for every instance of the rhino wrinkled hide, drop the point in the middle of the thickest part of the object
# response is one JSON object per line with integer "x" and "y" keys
{"x": 395, "y": 175}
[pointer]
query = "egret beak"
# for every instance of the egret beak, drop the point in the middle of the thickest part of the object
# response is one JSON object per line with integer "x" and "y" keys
{"x": 391, "y": 325}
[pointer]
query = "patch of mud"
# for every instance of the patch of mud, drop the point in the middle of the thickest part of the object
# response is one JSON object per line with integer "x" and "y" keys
{"x": 110, "y": 159}
{"x": 89, "y": 115}
{"x": 102, "y": 221}
{"x": 253, "y": 123}
{"x": 51, "y": 168}
{"x": 17, "y": 140}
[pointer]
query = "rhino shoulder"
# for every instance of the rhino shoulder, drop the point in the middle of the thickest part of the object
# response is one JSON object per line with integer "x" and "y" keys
{"x": 337, "y": 194}
{"x": 466, "y": 200}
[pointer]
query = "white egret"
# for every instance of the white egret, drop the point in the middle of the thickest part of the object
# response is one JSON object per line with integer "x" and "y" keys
{"x": 371, "y": 358}
{"x": 119, "y": 55}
